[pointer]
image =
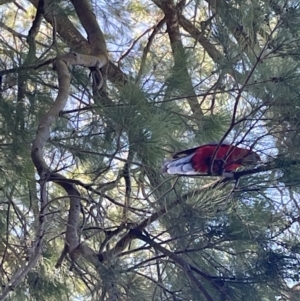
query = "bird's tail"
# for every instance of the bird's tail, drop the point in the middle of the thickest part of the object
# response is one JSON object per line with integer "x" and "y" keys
{"x": 181, "y": 166}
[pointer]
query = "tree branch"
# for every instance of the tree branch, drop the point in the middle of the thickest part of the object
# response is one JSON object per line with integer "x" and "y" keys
{"x": 171, "y": 17}
{"x": 181, "y": 262}
{"x": 91, "y": 26}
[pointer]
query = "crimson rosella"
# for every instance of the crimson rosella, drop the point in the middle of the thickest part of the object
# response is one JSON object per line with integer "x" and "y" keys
{"x": 205, "y": 159}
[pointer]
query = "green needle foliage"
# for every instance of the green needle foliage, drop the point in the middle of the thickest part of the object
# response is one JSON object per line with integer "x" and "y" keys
{"x": 178, "y": 74}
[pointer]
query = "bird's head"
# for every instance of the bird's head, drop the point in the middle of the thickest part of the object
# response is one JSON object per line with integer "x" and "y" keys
{"x": 251, "y": 158}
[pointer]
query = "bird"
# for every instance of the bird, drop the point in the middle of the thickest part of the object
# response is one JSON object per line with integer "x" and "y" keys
{"x": 210, "y": 159}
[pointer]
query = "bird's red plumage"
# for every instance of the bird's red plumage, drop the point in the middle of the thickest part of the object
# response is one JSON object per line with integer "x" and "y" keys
{"x": 203, "y": 159}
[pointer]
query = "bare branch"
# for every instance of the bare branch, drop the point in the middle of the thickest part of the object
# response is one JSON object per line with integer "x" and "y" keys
{"x": 91, "y": 26}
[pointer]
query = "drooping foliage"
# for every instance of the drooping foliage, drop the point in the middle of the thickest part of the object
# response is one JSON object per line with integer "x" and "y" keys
{"x": 95, "y": 95}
